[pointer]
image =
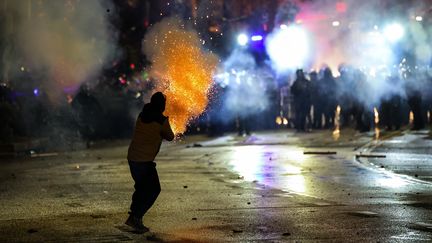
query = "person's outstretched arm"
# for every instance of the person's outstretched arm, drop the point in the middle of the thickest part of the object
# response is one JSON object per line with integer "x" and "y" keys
{"x": 167, "y": 132}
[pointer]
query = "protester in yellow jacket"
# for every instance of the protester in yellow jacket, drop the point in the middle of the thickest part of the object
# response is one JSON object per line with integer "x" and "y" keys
{"x": 150, "y": 129}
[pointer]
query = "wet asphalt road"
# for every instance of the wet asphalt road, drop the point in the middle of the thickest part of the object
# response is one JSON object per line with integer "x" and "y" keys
{"x": 261, "y": 188}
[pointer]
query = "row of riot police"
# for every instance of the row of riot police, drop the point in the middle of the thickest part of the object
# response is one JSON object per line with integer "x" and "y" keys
{"x": 386, "y": 100}
{"x": 317, "y": 93}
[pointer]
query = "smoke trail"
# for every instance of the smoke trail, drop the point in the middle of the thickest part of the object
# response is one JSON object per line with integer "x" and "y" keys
{"x": 245, "y": 84}
{"x": 183, "y": 70}
{"x": 64, "y": 41}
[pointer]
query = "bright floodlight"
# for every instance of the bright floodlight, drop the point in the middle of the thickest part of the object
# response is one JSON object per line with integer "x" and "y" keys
{"x": 374, "y": 51}
{"x": 288, "y": 48}
{"x": 419, "y": 18}
{"x": 394, "y": 32}
{"x": 242, "y": 39}
{"x": 335, "y": 23}
{"x": 256, "y": 37}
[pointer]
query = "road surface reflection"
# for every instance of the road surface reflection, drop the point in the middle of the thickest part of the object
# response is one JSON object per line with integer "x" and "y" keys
{"x": 261, "y": 164}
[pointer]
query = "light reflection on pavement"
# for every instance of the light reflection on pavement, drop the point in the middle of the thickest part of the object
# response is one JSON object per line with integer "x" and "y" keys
{"x": 284, "y": 166}
{"x": 392, "y": 181}
{"x": 261, "y": 164}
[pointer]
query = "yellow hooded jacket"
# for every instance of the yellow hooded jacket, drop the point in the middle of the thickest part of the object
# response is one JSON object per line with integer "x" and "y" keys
{"x": 147, "y": 139}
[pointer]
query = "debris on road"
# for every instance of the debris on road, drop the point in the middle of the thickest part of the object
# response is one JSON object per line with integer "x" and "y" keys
{"x": 370, "y": 156}
{"x": 320, "y": 152}
{"x": 31, "y": 231}
{"x": 195, "y": 145}
{"x": 97, "y": 216}
{"x": 364, "y": 214}
{"x": 35, "y": 155}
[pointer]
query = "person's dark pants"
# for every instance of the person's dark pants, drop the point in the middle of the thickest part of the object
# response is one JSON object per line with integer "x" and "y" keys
{"x": 302, "y": 111}
{"x": 147, "y": 187}
{"x": 244, "y": 126}
{"x": 329, "y": 114}
{"x": 318, "y": 113}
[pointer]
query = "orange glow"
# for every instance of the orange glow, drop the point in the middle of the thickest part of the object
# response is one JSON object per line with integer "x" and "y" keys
{"x": 213, "y": 29}
{"x": 69, "y": 98}
{"x": 336, "y": 132}
{"x": 279, "y": 120}
{"x": 411, "y": 117}
{"x": 376, "y": 114}
{"x": 377, "y": 133}
{"x": 185, "y": 71}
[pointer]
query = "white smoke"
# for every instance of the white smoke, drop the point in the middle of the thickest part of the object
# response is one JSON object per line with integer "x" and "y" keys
{"x": 357, "y": 33}
{"x": 65, "y": 42}
{"x": 245, "y": 85}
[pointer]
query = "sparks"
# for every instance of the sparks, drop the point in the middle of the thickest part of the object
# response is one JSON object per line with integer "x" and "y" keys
{"x": 185, "y": 72}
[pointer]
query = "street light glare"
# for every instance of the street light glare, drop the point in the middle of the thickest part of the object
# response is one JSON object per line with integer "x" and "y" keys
{"x": 256, "y": 38}
{"x": 394, "y": 32}
{"x": 288, "y": 48}
{"x": 242, "y": 39}
{"x": 419, "y": 18}
{"x": 284, "y": 26}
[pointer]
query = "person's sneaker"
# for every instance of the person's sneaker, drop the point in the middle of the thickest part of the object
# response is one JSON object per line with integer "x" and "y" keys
{"x": 136, "y": 224}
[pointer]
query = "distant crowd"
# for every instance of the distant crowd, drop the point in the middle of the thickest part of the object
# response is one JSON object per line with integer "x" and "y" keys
{"x": 388, "y": 101}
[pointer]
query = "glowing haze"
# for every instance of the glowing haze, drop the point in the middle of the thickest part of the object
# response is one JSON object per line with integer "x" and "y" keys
{"x": 352, "y": 31}
{"x": 357, "y": 34}
{"x": 288, "y": 47}
{"x": 245, "y": 85}
{"x": 182, "y": 69}
{"x": 65, "y": 42}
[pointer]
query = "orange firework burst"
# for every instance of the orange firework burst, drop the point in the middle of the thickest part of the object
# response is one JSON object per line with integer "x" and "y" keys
{"x": 183, "y": 69}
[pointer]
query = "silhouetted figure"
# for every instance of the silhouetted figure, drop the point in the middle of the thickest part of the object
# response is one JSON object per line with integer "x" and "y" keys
{"x": 391, "y": 105}
{"x": 428, "y": 100}
{"x": 243, "y": 126}
{"x": 317, "y": 100}
{"x": 345, "y": 96}
{"x": 88, "y": 112}
{"x": 150, "y": 129}
{"x": 362, "y": 109}
{"x": 301, "y": 91}
{"x": 415, "y": 101}
{"x": 328, "y": 94}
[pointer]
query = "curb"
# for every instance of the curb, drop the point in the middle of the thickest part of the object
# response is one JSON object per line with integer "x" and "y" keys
{"x": 367, "y": 149}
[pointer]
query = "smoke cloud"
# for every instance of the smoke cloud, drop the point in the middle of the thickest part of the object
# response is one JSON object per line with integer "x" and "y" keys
{"x": 245, "y": 85}
{"x": 64, "y": 43}
{"x": 350, "y": 33}
{"x": 356, "y": 33}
